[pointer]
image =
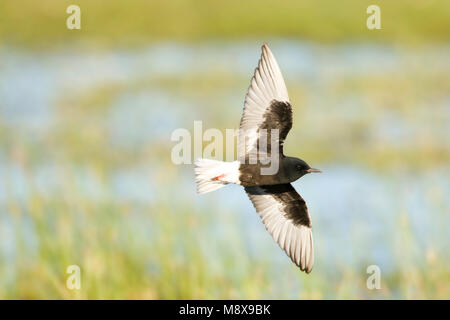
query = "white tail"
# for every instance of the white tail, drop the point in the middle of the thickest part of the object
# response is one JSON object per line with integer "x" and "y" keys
{"x": 211, "y": 175}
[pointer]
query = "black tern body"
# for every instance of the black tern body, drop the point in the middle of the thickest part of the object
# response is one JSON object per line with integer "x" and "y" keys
{"x": 267, "y": 118}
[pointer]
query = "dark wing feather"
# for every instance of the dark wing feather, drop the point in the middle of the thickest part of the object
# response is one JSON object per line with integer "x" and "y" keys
{"x": 278, "y": 116}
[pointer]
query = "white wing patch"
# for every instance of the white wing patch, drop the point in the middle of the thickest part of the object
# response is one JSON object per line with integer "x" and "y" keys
{"x": 266, "y": 85}
{"x": 295, "y": 240}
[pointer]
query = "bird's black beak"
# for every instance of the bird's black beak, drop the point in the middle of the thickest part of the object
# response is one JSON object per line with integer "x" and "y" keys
{"x": 313, "y": 170}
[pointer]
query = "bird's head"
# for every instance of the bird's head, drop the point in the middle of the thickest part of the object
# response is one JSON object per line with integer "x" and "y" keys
{"x": 302, "y": 168}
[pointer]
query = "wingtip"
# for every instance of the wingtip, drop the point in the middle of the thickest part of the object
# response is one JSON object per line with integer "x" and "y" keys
{"x": 305, "y": 269}
{"x": 266, "y": 53}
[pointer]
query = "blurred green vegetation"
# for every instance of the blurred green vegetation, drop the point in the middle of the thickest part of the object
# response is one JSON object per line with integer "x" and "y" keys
{"x": 41, "y": 24}
{"x": 118, "y": 261}
{"x": 167, "y": 247}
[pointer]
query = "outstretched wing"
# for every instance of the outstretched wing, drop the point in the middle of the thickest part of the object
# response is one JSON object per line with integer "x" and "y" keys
{"x": 266, "y": 106}
{"x": 285, "y": 215}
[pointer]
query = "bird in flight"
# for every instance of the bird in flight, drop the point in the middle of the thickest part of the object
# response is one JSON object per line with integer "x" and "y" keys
{"x": 265, "y": 123}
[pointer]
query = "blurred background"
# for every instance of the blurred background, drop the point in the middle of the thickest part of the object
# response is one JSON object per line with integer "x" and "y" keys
{"x": 85, "y": 171}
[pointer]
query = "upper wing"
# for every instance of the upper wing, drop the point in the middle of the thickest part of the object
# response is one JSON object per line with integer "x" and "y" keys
{"x": 266, "y": 106}
{"x": 285, "y": 215}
